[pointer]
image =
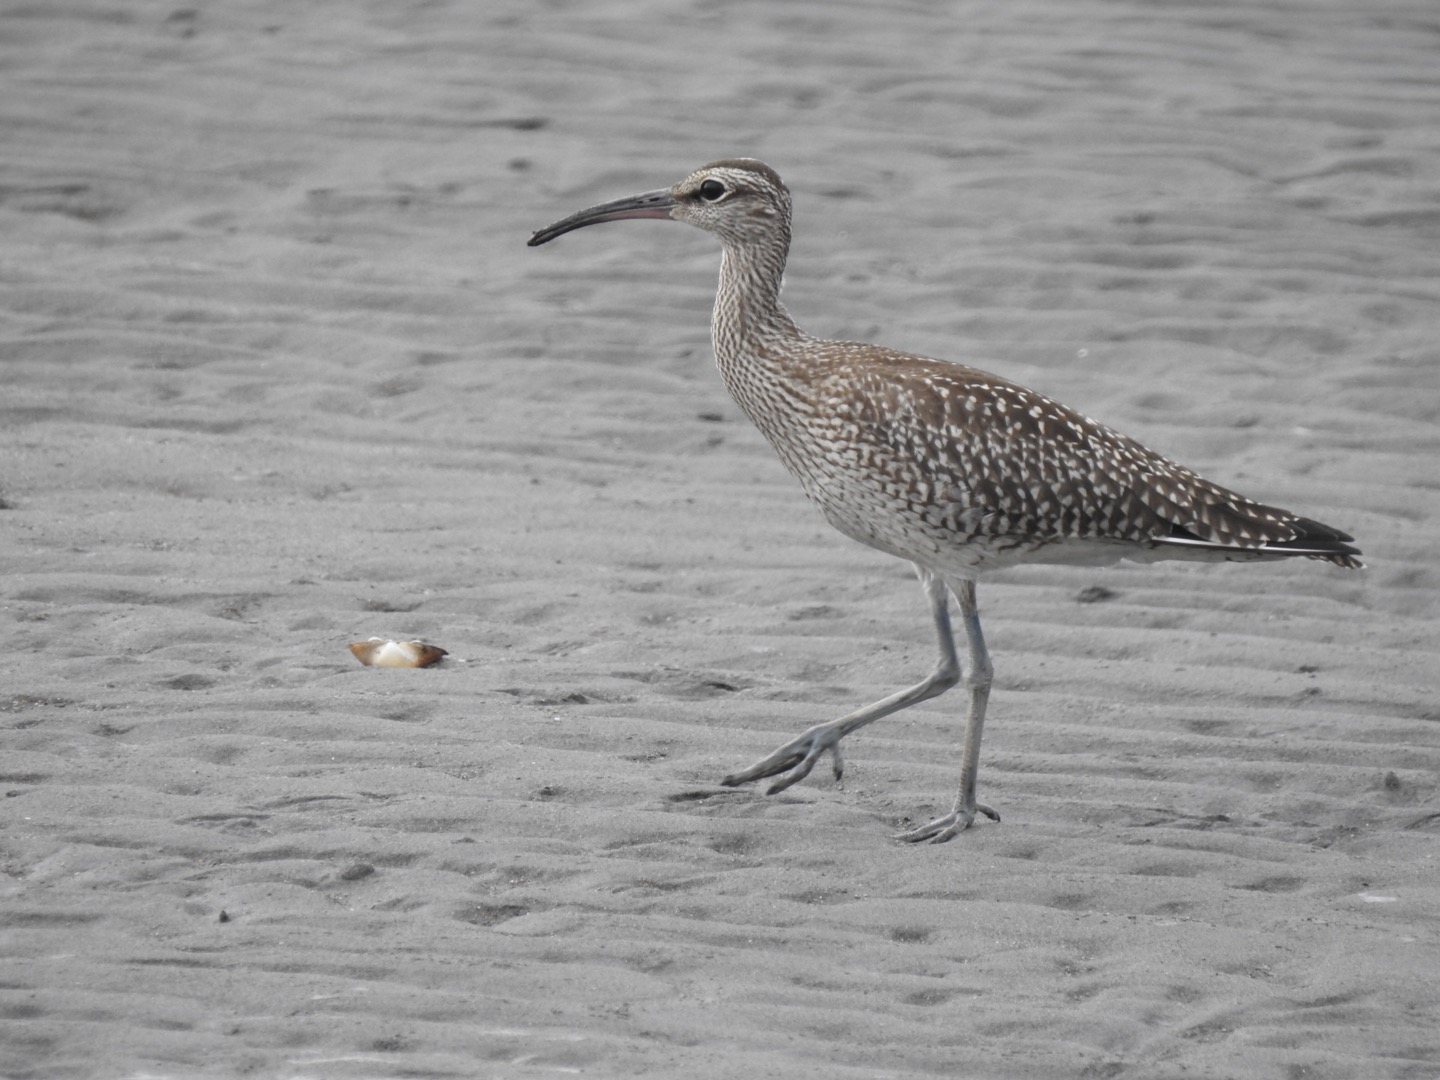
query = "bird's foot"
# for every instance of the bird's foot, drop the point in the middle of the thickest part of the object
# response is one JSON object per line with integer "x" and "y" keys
{"x": 947, "y": 827}
{"x": 795, "y": 759}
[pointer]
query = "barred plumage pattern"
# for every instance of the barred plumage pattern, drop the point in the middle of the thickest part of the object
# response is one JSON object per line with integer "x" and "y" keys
{"x": 955, "y": 469}
{"x": 952, "y": 466}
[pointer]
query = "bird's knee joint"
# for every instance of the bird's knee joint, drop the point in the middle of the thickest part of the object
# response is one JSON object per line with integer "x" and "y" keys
{"x": 979, "y": 680}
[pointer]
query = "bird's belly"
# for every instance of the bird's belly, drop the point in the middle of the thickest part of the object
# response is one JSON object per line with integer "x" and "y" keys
{"x": 938, "y": 538}
{"x": 926, "y": 538}
{"x": 909, "y": 521}
{"x": 949, "y": 523}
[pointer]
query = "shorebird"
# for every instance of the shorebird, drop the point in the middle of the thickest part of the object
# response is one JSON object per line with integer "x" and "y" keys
{"x": 956, "y": 470}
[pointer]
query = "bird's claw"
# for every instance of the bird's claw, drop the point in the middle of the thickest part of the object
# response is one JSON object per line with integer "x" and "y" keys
{"x": 795, "y": 759}
{"x": 947, "y": 827}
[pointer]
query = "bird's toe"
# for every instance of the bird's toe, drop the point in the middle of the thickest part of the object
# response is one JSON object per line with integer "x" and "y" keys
{"x": 795, "y": 760}
{"x": 948, "y": 826}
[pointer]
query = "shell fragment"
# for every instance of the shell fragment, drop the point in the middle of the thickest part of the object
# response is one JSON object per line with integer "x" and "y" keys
{"x": 377, "y": 652}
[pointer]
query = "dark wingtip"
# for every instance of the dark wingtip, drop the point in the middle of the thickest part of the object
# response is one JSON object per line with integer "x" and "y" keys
{"x": 1309, "y": 539}
{"x": 1325, "y": 542}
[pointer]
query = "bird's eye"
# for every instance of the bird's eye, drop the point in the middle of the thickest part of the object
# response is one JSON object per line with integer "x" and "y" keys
{"x": 711, "y": 190}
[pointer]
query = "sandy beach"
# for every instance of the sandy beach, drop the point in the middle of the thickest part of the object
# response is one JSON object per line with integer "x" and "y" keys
{"x": 278, "y": 373}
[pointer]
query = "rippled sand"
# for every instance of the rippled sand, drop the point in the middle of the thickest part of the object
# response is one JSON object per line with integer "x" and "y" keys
{"x": 278, "y": 373}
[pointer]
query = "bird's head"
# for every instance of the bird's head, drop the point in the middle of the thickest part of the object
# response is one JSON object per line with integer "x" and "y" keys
{"x": 741, "y": 200}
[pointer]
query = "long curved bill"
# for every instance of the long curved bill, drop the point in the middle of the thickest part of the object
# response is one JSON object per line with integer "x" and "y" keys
{"x": 652, "y": 204}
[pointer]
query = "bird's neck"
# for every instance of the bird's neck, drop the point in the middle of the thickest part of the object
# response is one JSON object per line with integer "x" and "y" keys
{"x": 749, "y": 322}
{"x": 758, "y": 348}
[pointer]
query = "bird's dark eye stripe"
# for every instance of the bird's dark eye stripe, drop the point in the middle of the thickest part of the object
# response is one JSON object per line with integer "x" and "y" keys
{"x": 711, "y": 190}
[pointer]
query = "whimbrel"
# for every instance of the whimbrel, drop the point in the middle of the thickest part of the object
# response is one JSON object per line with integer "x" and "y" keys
{"x": 957, "y": 470}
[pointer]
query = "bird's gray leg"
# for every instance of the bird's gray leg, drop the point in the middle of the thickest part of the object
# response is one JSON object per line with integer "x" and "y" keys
{"x": 796, "y": 758}
{"x": 978, "y": 680}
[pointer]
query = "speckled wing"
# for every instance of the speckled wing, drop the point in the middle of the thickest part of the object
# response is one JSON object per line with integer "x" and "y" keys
{"x": 977, "y": 459}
